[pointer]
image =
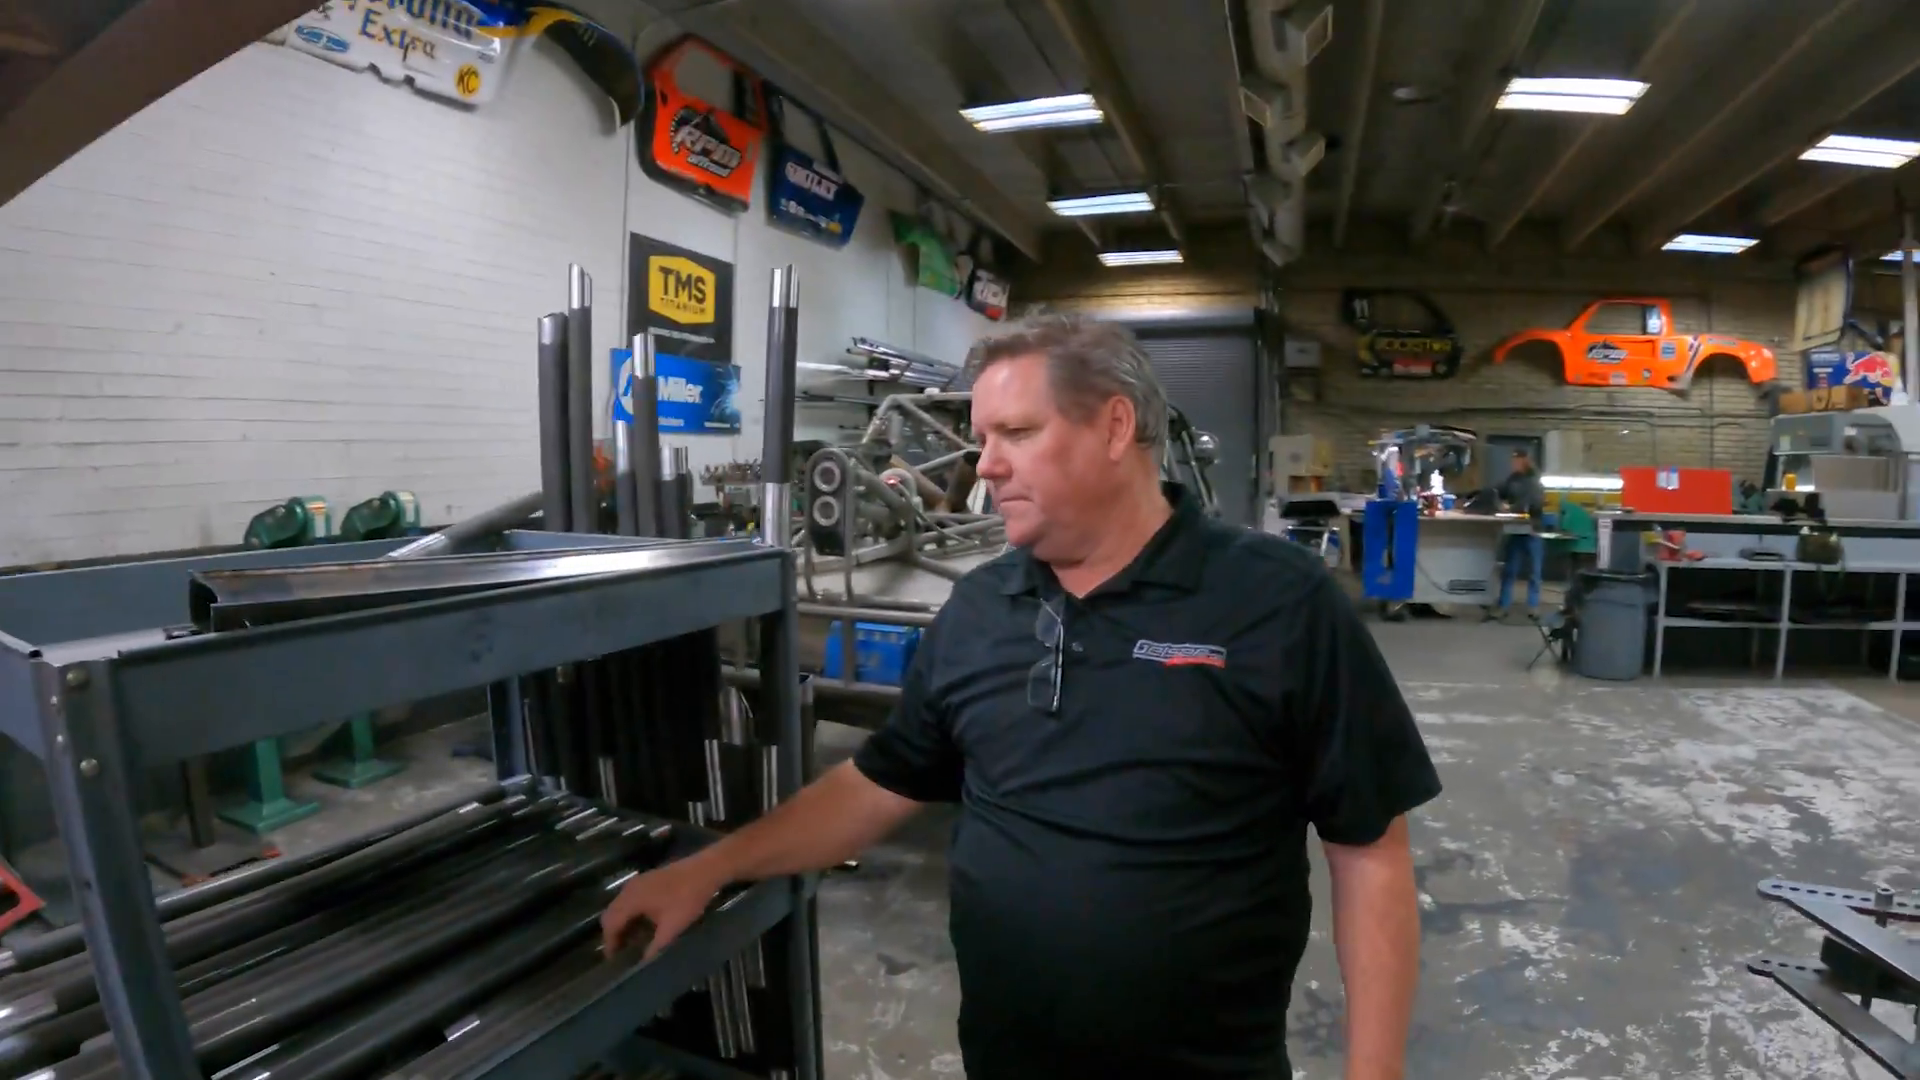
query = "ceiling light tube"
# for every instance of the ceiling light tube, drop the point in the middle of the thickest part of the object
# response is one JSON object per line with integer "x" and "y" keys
{"x": 1119, "y": 202}
{"x": 1607, "y": 97}
{"x": 1863, "y": 151}
{"x": 1156, "y": 257}
{"x": 1066, "y": 110}
{"x": 1706, "y": 244}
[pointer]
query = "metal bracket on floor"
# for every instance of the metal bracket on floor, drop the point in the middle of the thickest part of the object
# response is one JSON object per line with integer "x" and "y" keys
{"x": 361, "y": 766}
{"x": 1862, "y": 955}
{"x": 267, "y": 807}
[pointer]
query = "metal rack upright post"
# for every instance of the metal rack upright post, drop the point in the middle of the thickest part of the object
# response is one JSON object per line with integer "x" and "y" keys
{"x": 97, "y": 682}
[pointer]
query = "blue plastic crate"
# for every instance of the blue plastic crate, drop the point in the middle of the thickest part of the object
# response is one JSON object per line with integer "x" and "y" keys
{"x": 881, "y": 651}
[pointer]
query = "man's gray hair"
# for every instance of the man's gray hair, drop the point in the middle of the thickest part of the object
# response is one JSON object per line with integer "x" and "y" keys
{"x": 1089, "y": 362}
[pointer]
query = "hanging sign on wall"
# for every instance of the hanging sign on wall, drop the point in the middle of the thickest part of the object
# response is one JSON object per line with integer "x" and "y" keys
{"x": 705, "y": 149}
{"x": 805, "y": 194}
{"x": 685, "y": 300}
{"x": 1403, "y": 334}
{"x": 460, "y": 49}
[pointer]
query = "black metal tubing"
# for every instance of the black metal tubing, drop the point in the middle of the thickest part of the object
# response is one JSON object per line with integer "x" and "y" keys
{"x": 555, "y": 468}
{"x": 237, "y": 599}
{"x": 501, "y": 1021}
{"x": 282, "y": 678}
{"x": 644, "y": 441}
{"x": 237, "y": 1020}
{"x": 488, "y": 522}
{"x": 783, "y": 343}
{"x": 211, "y": 932}
{"x": 601, "y": 1008}
{"x": 581, "y": 500}
{"x": 349, "y": 1047}
{"x": 71, "y": 940}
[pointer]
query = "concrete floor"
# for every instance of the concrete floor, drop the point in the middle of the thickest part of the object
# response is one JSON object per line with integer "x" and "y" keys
{"x": 1587, "y": 880}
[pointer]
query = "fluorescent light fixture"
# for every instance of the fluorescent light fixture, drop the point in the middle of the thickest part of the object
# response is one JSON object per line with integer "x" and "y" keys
{"x": 1860, "y": 150}
{"x": 1140, "y": 258}
{"x": 1898, "y": 256}
{"x": 1582, "y": 483}
{"x": 1067, "y": 110}
{"x": 1119, "y": 202}
{"x": 1709, "y": 245}
{"x": 1610, "y": 97}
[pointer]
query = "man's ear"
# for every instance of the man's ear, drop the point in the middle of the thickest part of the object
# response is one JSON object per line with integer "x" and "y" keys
{"x": 1120, "y": 423}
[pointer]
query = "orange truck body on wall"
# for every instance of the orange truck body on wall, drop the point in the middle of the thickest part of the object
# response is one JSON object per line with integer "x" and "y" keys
{"x": 1652, "y": 356}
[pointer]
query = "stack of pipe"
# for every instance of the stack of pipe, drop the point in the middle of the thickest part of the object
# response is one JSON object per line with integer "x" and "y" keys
{"x": 654, "y": 729}
{"x": 330, "y": 966}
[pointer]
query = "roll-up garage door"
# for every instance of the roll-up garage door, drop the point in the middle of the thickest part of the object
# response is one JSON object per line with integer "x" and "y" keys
{"x": 1208, "y": 373}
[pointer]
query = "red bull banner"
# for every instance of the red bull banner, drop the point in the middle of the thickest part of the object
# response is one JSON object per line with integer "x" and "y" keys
{"x": 1874, "y": 372}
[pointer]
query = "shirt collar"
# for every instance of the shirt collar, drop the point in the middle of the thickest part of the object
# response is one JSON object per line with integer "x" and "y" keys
{"x": 1173, "y": 557}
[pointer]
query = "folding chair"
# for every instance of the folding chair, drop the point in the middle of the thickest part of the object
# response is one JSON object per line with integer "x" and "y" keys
{"x": 1556, "y": 633}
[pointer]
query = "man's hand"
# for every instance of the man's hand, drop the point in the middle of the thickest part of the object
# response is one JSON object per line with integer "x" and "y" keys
{"x": 667, "y": 900}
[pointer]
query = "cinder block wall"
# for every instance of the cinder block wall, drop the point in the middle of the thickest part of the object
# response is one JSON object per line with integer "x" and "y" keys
{"x": 1721, "y": 421}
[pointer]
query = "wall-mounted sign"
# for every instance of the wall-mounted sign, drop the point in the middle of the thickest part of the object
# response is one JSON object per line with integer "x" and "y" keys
{"x": 685, "y": 300}
{"x": 988, "y": 293}
{"x": 1403, "y": 334}
{"x": 704, "y": 149}
{"x": 935, "y": 268}
{"x": 460, "y": 49}
{"x": 805, "y": 194}
{"x": 695, "y": 397}
{"x": 1875, "y": 372}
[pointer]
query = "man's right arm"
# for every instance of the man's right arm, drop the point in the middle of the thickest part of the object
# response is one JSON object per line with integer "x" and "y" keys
{"x": 828, "y": 822}
{"x": 909, "y": 763}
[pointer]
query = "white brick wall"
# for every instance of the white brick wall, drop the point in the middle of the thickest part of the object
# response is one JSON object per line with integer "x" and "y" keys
{"x": 285, "y": 278}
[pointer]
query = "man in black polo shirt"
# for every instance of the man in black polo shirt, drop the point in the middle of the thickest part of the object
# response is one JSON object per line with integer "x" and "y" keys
{"x": 1140, "y": 712}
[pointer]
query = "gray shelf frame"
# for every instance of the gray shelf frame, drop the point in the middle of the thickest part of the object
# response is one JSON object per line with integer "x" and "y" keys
{"x": 1784, "y": 625}
{"x": 122, "y": 697}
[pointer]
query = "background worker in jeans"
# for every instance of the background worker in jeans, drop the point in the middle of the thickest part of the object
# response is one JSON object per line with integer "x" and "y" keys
{"x": 1521, "y": 493}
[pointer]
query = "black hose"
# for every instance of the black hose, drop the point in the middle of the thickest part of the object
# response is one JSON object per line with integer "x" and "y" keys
{"x": 585, "y": 507}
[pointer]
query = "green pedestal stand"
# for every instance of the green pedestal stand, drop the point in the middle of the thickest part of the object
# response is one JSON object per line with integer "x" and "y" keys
{"x": 267, "y": 807}
{"x": 361, "y": 766}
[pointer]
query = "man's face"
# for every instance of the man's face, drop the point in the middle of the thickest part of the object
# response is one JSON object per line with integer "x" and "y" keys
{"x": 1052, "y": 476}
{"x": 1522, "y": 465}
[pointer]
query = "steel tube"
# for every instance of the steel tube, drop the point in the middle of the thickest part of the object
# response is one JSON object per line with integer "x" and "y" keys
{"x": 555, "y": 487}
{"x": 645, "y": 437}
{"x": 783, "y": 326}
{"x": 581, "y": 499}
{"x": 868, "y": 614}
{"x": 71, "y": 941}
{"x": 349, "y": 1047}
{"x": 498, "y": 519}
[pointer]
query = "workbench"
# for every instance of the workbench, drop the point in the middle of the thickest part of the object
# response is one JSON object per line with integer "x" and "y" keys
{"x": 1782, "y": 624}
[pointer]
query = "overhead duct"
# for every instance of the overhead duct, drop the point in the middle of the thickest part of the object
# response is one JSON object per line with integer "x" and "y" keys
{"x": 1282, "y": 45}
{"x": 1274, "y": 96}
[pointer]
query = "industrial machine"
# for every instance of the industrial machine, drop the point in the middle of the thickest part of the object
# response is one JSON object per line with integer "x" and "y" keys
{"x": 1864, "y": 464}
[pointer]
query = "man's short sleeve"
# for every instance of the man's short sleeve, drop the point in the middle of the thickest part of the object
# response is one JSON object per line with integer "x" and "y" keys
{"x": 1366, "y": 763}
{"x": 914, "y": 755}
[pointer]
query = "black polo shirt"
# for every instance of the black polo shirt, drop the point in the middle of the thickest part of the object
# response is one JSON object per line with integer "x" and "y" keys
{"x": 1129, "y": 874}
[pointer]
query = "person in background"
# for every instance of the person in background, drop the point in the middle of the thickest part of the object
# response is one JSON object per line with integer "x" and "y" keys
{"x": 1521, "y": 493}
{"x": 1141, "y": 712}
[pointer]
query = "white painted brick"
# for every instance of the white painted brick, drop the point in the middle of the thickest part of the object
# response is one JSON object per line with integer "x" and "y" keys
{"x": 288, "y": 279}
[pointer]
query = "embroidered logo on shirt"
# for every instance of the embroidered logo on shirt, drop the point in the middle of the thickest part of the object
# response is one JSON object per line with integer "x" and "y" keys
{"x": 1169, "y": 655}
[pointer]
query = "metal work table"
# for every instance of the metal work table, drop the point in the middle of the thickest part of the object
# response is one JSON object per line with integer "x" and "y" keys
{"x": 1783, "y": 624}
{"x": 98, "y": 680}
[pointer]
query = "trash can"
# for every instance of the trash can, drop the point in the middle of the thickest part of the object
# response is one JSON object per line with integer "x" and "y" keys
{"x": 1612, "y": 640}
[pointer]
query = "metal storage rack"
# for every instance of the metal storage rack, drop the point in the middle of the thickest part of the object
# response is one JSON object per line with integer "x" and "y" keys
{"x": 1782, "y": 624}
{"x": 94, "y": 683}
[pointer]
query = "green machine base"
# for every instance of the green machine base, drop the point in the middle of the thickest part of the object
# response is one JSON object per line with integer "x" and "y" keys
{"x": 267, "y": 807}
{"x": 362, "y": 766}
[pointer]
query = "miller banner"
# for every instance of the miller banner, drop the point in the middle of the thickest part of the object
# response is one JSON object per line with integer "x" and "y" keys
{"x": 685, "y": 300}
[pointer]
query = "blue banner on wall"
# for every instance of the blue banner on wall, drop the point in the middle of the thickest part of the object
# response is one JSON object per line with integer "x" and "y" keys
{"x": 811, "y": 198}
{"x": 696, "y": 398}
